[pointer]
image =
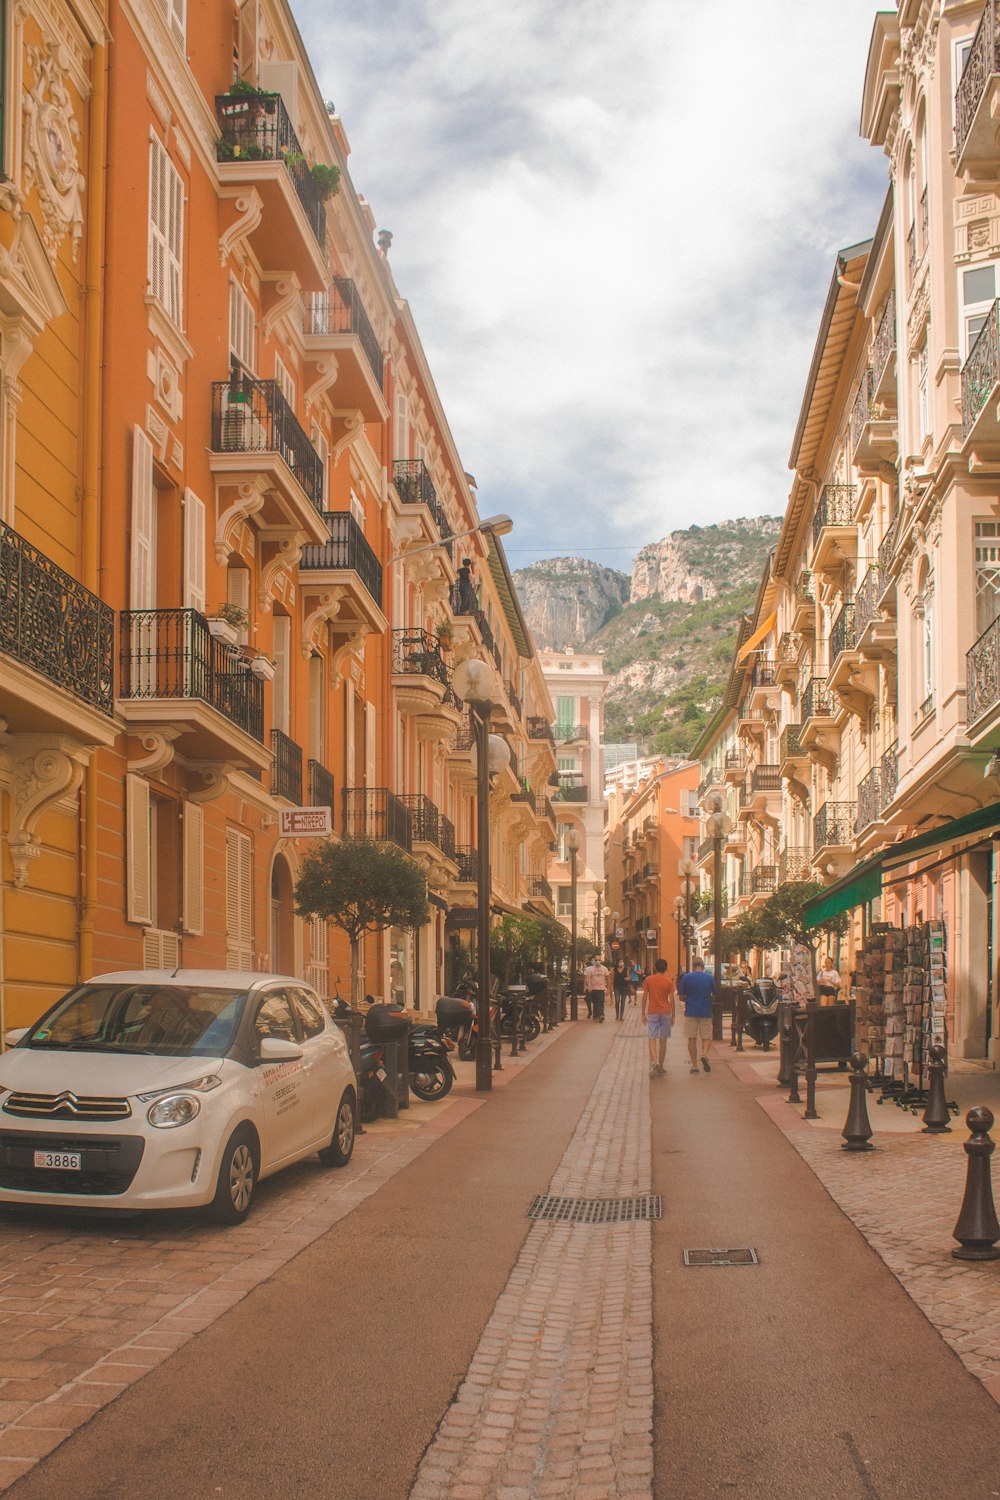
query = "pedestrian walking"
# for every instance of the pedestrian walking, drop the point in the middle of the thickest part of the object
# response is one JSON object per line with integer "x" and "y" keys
{"x": 620, "y": 982}
{"x": 658, "y": 1014}
{"x": 634, "y": 980}
{"x": 596, "y": 982}
{"x": 697, "y": 990}
{"x": 828, "y": 982}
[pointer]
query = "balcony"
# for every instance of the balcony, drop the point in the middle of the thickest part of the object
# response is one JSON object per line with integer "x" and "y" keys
{"x": 426, "y": 823}
{"x": 884, "y": 354}
{"x": 818, "y": 732}
{"x": 752, "y": 722}
{"x": 735, "y": 767}
{"x": 464, "y": 602}
{"x": 286, "y": 768}
{"x": 977, "y": 99}
{"x": 526, "y": 796}
{"x": 414, "y": 486}
{"x": 547, "y": 811}
{"x": 842, "y": 636}
{"x": 981, "y": 385}
{"x": 786, "y": 661}
{"x": 792, "y": 757}
{"x": 447, "y": 845}
{"x": 833, "y": 827}
{"x": 320, "y": 786}
{"x": 346, "y": 561}
{"x": 514, "y": 700}
{"x": 763, "y": 880}
{"x": 572, "y": 734}
{"x": 874, "y": 628}
{"x": 873, "y": 433}
{"x": 175, "y": 673}
{"x": 889, "y": 774}
{"x": 467, "y": 860}
{"x": 539, "y": 728}
{"x": 886, "y": 553}
{"x": 257, "y": 147}
{"x": 376, "y": 813}
{"x": 572, "y": 793}
{"x": 763, "y": 684}
{"x": 834, "y": 532}
{"x": 794, "y": 864}
{"x": 869, "y": 800}
{"x": 982, "y": 679}
{"x": 337, "y": 324}
{"x": 804, "y": 612}
{"x": 541, "y": 890}
{"x": 419, "y": 674}
{"x": 60, "y": 631}
{"x": 257, "y": 441}
{"x": 765, "y": 789}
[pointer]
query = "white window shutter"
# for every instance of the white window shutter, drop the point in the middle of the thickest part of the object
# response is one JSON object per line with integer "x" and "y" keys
{"x": 165, "y": 266}
{"x": 282, "y": 651}
{"x": 139, "y": 882}
{"x": 239, "y": 900}
{"x": 370, "y": 759}
{"x": 142, "y": 576}
{"x": 193, "y": 889}
{"x": 194, "y": 552}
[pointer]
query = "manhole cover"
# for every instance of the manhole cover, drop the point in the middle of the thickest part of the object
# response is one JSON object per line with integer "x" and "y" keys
{"x": 550, "y": 1209}
{"x": 745, "y": 1257}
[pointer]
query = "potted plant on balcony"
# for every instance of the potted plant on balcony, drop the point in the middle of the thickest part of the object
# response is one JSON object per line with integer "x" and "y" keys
{"x": 227, "y": 623}
{"x": 326, "y": 180}
{"x": 262, "y": 666}
{"x": 445, "y": 635}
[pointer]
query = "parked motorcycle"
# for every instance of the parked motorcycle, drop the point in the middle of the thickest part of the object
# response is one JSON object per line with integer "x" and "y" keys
{"x": 431, "y": 1072}
{"x": 760, "y": 1012}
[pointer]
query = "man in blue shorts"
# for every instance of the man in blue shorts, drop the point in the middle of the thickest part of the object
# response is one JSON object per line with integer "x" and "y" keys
{"x": 658, "y": 1005}
{"x": 697, "y": 990}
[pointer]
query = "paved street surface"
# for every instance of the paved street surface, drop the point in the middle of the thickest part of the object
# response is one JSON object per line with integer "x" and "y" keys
{"x": 403, "y": 1329}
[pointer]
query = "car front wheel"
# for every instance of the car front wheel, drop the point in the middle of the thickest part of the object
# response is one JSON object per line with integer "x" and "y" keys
{"x": 237, "y": 1178}
{"x": 341, "y": 1147}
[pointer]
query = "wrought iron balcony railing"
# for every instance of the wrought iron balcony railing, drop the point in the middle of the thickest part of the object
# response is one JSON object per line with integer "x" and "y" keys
{"x": 763, "y": 672}
{"x": 981, "y": 370}
{"x": 835, "y": 508}
{"x": 572, "y": 792}
{"x": 286, "y": 767}
{"x": 447, "y": 842}
{"x": 171, "y": 654}
{"x": 889, "y": 774}
{"x": 467, "y": 860}
{"x": 416, "y": 653}
{"x": 539, "y": 728}
{"x": 346, "y": 550}
{"x": 340, "y": 310}
{"x": 252, "y": 416}
{"x": 541, "y": 888}
{"x": 765, "y": 779}
{"x": 515, "y": 701}
{"x": 464, "y": 602}
{"x": 376, "y": 813}
{"x": 863, "y": 408}
{"x": 817, "y": 700}
{"x": 982, "y": 674}
{"x": 842, "y": 633}
{"x": 256, "y": 127}
{"x": 547, "y": 810}
{"x": 320, "y": 786}
{"x": 805, "y": 589}
{"x": 886, "y": 549}
{"x": 425, "y": 820}
{"x": 869, "y": 799}
{"x": 734, "y": 760}
{"x": 866, "y": 600}
{"x": 51, "y": 623}
{"x": 462, "y": 738}
{"x": 982, "y": 61}
{"x": 833, "y": 825}
{"x": 763, "y": 880}
{"x": 794, "y": 864}
{"x": 526, "y": 795}
{"x": 885, "y": 340}
{"x": 567, "y": 733}
{"x": 415, "y": 487}
{"x": 790, "y": 744}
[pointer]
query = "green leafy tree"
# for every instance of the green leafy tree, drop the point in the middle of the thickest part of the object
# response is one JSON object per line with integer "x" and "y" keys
{"x": 514, "y": 943}
{"x": 555, "y": 943}
{"x": 361, "y": 885}
{"x": 778, "y": 921}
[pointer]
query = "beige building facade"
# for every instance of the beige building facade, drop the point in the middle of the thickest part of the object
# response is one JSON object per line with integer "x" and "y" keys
{"x": 577, "y": 684}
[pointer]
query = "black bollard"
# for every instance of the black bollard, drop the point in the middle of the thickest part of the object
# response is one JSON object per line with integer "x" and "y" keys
{"x": 937, "y": 1116}
{"x": 857, "y": 1131}
{"x": 977, "y": 1230}
{"x": 739, "y": 1004}
{"x": 785, "y": 1055}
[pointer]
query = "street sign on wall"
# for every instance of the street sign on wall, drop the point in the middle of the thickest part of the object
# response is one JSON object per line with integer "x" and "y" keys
{"x": 305, "y": 822}
{"x": 651, "y": 935}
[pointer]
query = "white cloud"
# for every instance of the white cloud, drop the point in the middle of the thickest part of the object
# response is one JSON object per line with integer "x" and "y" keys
{"x": 615, "y": 223}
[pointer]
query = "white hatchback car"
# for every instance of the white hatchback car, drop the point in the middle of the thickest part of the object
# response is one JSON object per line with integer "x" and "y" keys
{"x": 150, "y": 1089}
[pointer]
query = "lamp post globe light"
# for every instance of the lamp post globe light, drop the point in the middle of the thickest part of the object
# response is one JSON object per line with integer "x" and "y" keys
{"x": 679, "y": 919}
{"x": 687, "y": 868}
{"x": 573, "y": 845}
{"x": 598, "y": 893}
{"x": 473, "y": 682}
{"x": 718, "y": 824}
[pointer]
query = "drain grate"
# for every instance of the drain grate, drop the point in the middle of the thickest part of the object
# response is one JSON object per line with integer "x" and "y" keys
{"x": 747, "y": 1257}
{"x": 548, "y": 1208}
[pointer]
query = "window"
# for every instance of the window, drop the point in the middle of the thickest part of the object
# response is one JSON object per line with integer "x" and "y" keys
{"x": 322, "y": 447}
{"x": 242, "y": 329}
{"x": 165, "y": 273}
{"x": 310, "y": 1020}
{"x": 564, "y": 900}
{"x": 281, "y": 651}
{"x": 239, "y": 900}
{"x": 358, "y": 512}
{"x": 194, "y": 552}
{"x": 987, "y": 574}
{"x": 979, "y": 290}
{"x": 175, "y": 15}
{"x": 274, "y": 1019}
{"x": 284, "y": 382}
{"x": 565, "y": 714}
{"x": 923, "y": 392}
{"x": 400, "y": 437}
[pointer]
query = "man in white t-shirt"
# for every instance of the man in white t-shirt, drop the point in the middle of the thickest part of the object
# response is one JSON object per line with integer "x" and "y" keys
{"x": 596, "y": 978}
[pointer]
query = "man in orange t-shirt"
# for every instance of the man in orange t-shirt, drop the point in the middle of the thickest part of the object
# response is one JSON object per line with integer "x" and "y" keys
{"x": 658, "y": 1003}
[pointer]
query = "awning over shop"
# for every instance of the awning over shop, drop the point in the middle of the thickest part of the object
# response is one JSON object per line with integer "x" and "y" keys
{"x": 461, "y": 916}
{"x": 864, "y": 882}
{"x": 757, "y": 637}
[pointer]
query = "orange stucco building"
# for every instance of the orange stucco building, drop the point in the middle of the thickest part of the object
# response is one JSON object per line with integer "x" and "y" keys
{"x": 229, "y": 585}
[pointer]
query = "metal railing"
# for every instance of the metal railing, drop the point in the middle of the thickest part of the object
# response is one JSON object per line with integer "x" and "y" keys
{"x": 416, "y": 653}
{"x": 256, "y": 127}
{"x": 376, "y": 813}
{"x": 981, "y": 370}
{"x": 790, "y": 743}
{"x": 911, "y": 254}
{"x": 763, "y": 673}
{"x": 842, "y": 633}
{"x": 817, "y": 700}
{"x": 447, "y": 842}
{"x": 763, "y": 880}
{"x": 889, "y": 772}
{"x": 863, "y": 408}
{"x": 425, "y": 820}
{"x": 885, "y": 340}
{"x": 805, "y": 589}
{"x": 573, "y": 793}
{"x": 734, "y": 760}
{"x": 548, "y": 811}
{"x": 286, "y": 767}
{"x": 171, "y": 654}
{"x": 515, "y": 701}
{"x": 866, "y": 600}
{"x": 833, "y": 825}
{"x": 886, "y": 548}
{"x": 765, "y": 778}
{"x": 789, "y": 646}
{"x": 982, "y": 61}
{"x": 982, "y": 673}
{"x": 566, "y": 733}
{"x": 794, "y": 864}
{"x": 464, "y": 602}
{"x": 462, "y": 738}
{"x": 525, "y": 794}
{"x": 252, "y": 416}
{"x": 415, "y": 487}
{"x": 835, "y": 508}
{"x": 869, "y": 799}
{"x": 467, "y": 860}
{"x": 320, "y": 786}
{"x": 341, "y": 310}
{"x": 539, "y": 728}
{"x": 50, "y": 622}
{"x": 346, "y": 550}
{"x": 541, "y": 887}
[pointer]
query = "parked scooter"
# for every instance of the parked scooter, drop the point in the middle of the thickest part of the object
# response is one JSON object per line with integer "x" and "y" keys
{"x": 760, "y": 1012}
{"x": 431, "y": 1072}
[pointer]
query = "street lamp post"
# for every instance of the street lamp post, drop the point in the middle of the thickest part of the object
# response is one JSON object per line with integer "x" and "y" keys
{"x": 573, "y": 845}
{"x": 473, "y": 683}
{"x": 687, "y": 869}
{"x": 718, "y": 825}
{"x": 598, "y": 893}
{"x": 679, "y": 919}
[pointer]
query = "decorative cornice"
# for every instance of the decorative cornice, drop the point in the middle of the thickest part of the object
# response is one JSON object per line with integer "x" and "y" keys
{"x": 249, "y": 500}
{"x": 249, "y": 207}
{"x": 285, "y": 558}
{"x": 289, "y": 297}
{"x": 43, "y": 769}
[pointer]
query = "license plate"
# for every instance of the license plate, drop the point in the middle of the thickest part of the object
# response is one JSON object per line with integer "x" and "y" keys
{"x": 62, "y": 1161}
{"x": 381, "y": 1074}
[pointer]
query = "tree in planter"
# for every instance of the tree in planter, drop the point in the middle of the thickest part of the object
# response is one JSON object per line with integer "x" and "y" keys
{"x": 514, "y": 943}
{"x": 555, "y": 943}
{"x": 361, "y": 885}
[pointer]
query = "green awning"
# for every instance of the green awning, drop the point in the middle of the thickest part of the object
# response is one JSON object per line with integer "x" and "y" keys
{"x": 864, "y": 882}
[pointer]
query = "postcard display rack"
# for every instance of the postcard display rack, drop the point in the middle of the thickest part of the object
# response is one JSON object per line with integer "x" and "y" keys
{"x": 901, "y": 1005}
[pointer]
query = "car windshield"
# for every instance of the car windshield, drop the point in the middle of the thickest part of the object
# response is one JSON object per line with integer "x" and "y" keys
{"x": 165, "y": 1020}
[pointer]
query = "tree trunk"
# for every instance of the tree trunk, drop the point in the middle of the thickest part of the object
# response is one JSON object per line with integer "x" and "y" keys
{"x": 356, "y": 995}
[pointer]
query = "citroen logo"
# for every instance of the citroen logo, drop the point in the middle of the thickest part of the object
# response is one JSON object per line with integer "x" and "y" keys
{"x": 69, "y": 1101}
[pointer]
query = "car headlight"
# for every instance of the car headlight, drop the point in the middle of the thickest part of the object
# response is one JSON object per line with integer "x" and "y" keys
{"x": 198, "y": 1086}
{"x": 175, "y": 1109}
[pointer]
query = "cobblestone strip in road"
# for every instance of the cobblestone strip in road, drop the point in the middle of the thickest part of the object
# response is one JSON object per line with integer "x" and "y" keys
{"x": 558, "y": 1399}
{"x": 904, "y": 1198}
{"x": 89, "y": 1305}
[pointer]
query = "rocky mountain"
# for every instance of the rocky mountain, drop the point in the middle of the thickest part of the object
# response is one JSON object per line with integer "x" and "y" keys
{"x": 667, "y": 632}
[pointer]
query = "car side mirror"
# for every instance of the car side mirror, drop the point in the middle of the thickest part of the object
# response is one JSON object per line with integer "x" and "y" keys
{"x": 11, "y": 1038}
{"x": 276, "y": 1049}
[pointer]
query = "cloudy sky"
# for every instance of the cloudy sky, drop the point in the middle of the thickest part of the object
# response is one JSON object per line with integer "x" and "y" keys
{"x": 615, "y": 222}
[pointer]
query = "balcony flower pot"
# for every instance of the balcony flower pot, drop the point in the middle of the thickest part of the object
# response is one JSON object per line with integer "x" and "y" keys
{"x": 222, "y": 630}
{"x": 263, "y": 668}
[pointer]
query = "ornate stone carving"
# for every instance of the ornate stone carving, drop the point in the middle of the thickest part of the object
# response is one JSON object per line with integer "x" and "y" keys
{"x": 44, "y": 769}
{"x": 159, "y": 747}
{"x": 214, "y": 777}
{"x": 51, "y": 159}
{"x": 249, "y": 500}
{"x": 249, "y": 207}
{"x": 283, "y": 560}
{"x": 289, "y": 295}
